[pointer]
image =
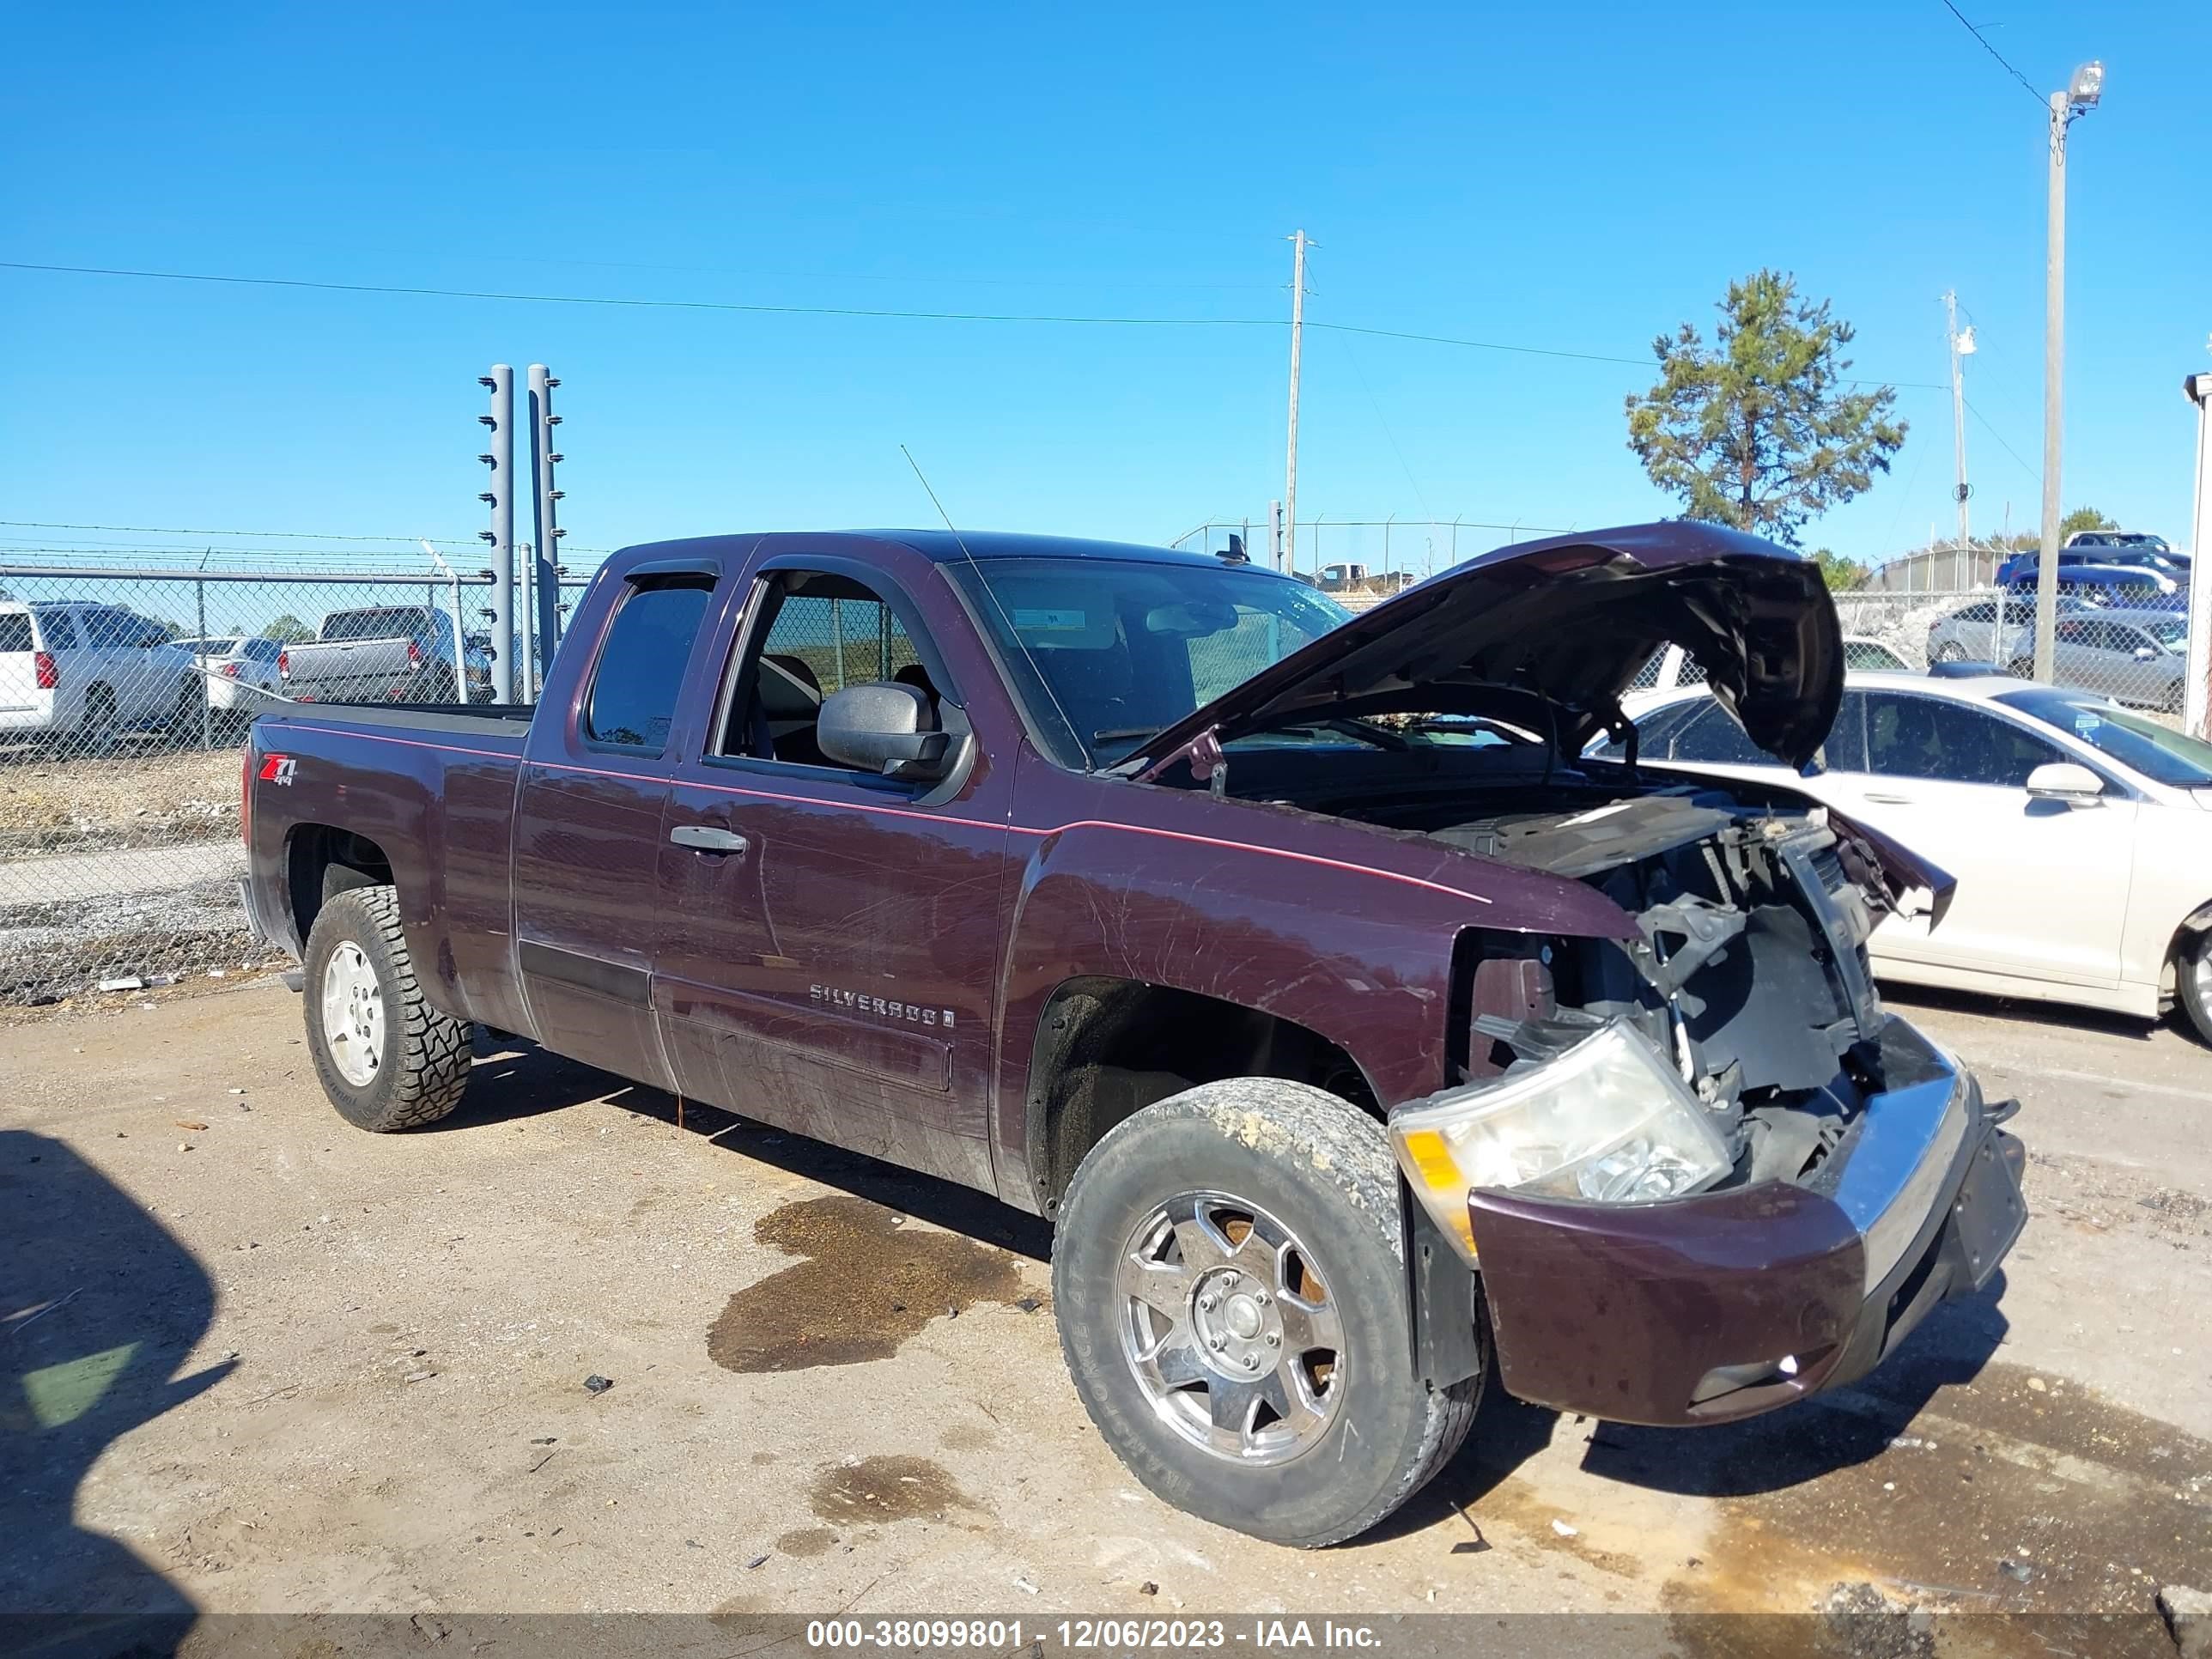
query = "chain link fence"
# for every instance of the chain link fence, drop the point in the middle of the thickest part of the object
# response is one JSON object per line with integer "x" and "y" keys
{"x": 126, "y": 694}
{"x": 2131, "y": 647}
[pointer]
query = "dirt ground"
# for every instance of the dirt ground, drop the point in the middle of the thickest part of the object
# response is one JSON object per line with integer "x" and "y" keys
{"x": 143, "y": 793}
{"x": 262, "y": 1362}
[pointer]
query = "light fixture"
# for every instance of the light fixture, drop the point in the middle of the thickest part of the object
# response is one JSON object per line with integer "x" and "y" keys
{"x": 2087, "y": 86}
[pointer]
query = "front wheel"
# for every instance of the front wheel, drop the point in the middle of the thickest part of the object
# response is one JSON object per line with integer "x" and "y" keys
{"x": 1228, "y": 1272}
{"x": 387, "y": 1060}
{"x": 2192, "y": 983}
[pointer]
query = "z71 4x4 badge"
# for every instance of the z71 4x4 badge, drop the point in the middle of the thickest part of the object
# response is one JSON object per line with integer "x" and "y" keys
{"x": 276, "y": 768}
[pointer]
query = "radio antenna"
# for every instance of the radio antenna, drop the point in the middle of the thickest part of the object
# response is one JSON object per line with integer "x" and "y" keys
{"x": 991, "y": 593}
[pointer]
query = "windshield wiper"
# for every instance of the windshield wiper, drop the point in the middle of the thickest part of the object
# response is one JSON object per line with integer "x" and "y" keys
{"x": 1120, "y": 732}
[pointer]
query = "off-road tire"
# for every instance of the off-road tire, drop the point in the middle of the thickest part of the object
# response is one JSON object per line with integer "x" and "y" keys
{"x": 2192, "y": 994}
{"x": 426, "y": 1053}
{"x": 1324, "y": 1167}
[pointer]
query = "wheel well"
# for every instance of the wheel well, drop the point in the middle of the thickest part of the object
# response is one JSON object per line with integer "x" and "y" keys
{"x": 1107, "y": 1048}
{"x": 326, "y": 861}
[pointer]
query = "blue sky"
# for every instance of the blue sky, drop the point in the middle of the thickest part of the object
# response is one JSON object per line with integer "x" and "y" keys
{"x": 1579, "y": 179}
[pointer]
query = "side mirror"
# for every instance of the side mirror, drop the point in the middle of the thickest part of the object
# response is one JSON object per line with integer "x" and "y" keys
{"x": 2077, "y": 785}
{"x": 885, "y": 727}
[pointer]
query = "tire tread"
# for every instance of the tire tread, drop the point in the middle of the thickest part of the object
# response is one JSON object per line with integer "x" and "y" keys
{"x": 431, "y": 1056}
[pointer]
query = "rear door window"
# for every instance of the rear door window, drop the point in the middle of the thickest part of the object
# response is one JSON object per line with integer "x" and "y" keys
{"x": 60, "y": 630}
{"x": 1909, "y": 737}
{"x": 635, "y": 685}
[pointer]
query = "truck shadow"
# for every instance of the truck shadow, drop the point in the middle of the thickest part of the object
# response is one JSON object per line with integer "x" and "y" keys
{"x": 514, "y": 1080}
{"x": 99, "y": 1303}
{"x": 1791, "y": 1447}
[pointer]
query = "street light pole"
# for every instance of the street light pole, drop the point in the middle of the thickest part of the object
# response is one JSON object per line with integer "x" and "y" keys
{"x": 2079, "y": 98}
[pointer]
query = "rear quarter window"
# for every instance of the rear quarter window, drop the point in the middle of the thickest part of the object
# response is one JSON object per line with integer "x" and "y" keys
{"x": 14, "y": 631}
{"x": 639, "y": 672}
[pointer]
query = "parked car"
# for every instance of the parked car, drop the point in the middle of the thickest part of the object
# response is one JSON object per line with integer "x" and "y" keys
{"x": 378, "y": 653}
{"x": 2133, "y": 586}
{"x": 1974, "y": 633}
{"x": 2127, "y": 547}
{"x": 1675, "y": 667}
{"x": 2079, "y": 831}
{"x": 1106, "y": 893}
{"x": 85, "y": 673}
{"x": 2138, "y": 657}
{"x": 239, "y": 671}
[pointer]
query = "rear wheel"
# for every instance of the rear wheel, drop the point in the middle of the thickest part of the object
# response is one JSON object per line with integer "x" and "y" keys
{"x": 1950, "y": 651}
{"x": 2021, "y": 668}
{"x": 1228, "y": 1277}
{"x": 2193, "y": 982}
{"x": 386, "y": 1059}
{"x": 185, "y": 712}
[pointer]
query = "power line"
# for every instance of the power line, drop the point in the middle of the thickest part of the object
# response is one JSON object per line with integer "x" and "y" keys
{"x": 834, "y": 311}
{"x": 2000, "y": 437}
{"x": 1992, "y": 51}
{"x": 645, "y": 305}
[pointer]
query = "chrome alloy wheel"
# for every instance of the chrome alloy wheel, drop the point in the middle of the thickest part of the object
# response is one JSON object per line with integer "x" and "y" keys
{"x": 1228, "y": 1327}
{"x": 353, "y": 1014}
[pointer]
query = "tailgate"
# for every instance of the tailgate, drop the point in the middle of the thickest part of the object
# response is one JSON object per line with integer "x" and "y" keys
{"x": 347, "y": 665}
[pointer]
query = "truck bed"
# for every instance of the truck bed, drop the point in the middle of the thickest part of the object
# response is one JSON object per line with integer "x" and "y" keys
{"x": 432, "y": 788}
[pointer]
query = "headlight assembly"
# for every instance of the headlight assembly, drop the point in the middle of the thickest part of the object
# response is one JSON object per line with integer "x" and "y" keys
{"x": 1609, "y": 1122}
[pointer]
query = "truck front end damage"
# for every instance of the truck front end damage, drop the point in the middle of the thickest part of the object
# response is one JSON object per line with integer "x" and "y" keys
{"x": 1700, "y": 1169}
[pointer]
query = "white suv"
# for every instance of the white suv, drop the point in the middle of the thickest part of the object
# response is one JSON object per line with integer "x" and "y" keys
{"x": 88, "y": 672}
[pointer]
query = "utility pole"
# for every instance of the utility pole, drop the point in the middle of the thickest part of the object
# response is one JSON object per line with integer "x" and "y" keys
{"x": 2080, "y": 97}
{"x": 500, "y": 499}
{"x": 1961, "y": 345}
{"x": 546, "y": 625}
{"x": 1291, "y": 467}
{"x": 2197, "y": 388}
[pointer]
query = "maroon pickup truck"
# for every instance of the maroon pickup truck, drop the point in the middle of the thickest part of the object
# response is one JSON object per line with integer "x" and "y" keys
{"x": 1356, "y": 1034}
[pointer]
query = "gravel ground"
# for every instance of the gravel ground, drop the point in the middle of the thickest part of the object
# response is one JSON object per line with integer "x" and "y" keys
{"x": 288, "y": 1367}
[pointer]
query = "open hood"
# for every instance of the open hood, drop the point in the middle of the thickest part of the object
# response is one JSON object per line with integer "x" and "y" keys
{"x": 1548, "y": 634}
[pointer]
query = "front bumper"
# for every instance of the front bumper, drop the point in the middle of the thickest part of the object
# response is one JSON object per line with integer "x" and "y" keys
{"x": 1720, "y": 1305}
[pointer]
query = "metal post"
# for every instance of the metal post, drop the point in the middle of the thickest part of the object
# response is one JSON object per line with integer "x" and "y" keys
{"x": 1290, "y": 466}
{"x": 200, "y": 667}
{"x": 546, "y": 624}
{"x": 2198, "y": 389}
{"x": 525, "y": 571}
{"x": 2054, "y": 353}
{"x": 1275, "y": 534}
{"x": 500, "y": 498}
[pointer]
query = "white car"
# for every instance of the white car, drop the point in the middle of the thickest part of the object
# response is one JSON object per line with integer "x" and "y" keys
{"x": 238, "y": 669}
{"x": 2078, "y": 832}
{"x": 1675, "y": 669}
{"x": 86, "y": 672}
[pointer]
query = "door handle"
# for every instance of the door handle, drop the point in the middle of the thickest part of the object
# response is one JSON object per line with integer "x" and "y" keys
{"x": 707, "y": 838}
{"x": 1889, "y": 801}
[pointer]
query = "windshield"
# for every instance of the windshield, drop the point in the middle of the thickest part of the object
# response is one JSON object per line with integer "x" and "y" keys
{"x": 1104, "y": 652}
{"x": 2159, "y": 753}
